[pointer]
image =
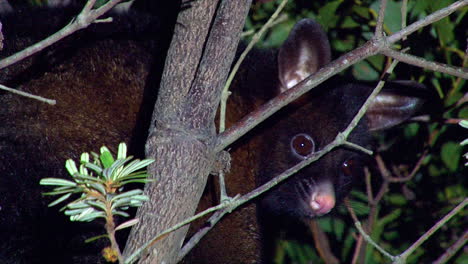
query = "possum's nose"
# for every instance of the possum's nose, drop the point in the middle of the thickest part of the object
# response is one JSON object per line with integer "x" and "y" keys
{"x": 322, "y": 200}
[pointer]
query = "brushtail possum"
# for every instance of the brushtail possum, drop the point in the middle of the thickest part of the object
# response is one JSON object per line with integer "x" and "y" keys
{"x": 300, "y": 129}
{"x": 105, "y": 94}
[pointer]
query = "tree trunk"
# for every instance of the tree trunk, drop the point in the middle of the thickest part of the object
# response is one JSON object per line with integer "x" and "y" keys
{"x": 182, "y": 132}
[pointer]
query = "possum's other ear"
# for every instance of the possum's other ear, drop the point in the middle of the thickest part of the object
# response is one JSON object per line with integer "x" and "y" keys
{"x": 398, "y": 102}
{"x": 304, "y": 52}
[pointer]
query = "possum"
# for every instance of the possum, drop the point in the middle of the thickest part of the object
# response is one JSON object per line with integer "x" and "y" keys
{"x": 101, "y": 80}
{"x": 288, "y": 137}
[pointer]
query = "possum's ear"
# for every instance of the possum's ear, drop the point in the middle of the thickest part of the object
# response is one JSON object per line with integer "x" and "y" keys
{"x": 304, "y": 52}
{"x": 398, "y": 102}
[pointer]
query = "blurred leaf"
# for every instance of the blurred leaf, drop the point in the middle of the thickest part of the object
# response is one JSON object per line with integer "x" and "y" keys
{"x": 327, "y": 15}
{"x": 362, "y": 11}
{"x": 325, "y": 224}
{"x": 451, "y": 154}
{"x": 462, "y": 259}
{"x": 91, "y": 239}
{"x": 411, "y": 130}
{"x": 396, "y": 199}
{"x": 463, "y": 112}
{"x": 338, "y": 228}
{"x": 364, "y": 71}
{"x": 343, "y": 45}
{"x": 349, "y": 22}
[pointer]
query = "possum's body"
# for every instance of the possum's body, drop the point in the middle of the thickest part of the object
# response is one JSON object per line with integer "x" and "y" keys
{"x": 101, "y": 80}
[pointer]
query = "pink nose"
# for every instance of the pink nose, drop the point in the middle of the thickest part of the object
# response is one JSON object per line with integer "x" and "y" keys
{"x": 322, "y": 203}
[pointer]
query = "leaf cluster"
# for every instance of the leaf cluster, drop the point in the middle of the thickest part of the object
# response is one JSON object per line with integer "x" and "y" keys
{"x": 99, "y": 185}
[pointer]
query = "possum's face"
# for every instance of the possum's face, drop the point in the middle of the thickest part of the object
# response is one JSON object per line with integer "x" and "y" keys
{"x": 299, "y": 131}
{"x": 313, "y": 121}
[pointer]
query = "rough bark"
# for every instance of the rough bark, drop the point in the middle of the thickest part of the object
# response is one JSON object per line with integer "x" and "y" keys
{"x": 182, "y": 133}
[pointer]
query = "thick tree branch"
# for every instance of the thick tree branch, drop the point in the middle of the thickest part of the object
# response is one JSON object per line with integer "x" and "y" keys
{"x": 182, "y": 133}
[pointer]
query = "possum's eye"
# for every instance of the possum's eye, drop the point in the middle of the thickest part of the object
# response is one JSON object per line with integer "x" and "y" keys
{"x": 348, "y": 167}
{"x": 302, "y": 145}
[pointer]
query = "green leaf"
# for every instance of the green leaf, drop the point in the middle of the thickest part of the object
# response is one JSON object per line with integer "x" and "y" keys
{"x": 122, "y": 151}
{"x": 327, "y": 15}
{"x": 57, "y": 181}
{"x": 127, "y": 194}
{"x": 338, "y": 228}
{"x": 78, "y": 205}
{"x": 91, "y": 239}
{"x": 464, "y": 142}
{"x": 87, "y": 217}
{"x": 124, "y": 214}
{"x": 94, "y": 167}
{"x": 62, "y": 190}
{"x": 126, "y": 224}
{"x": 106, "y": 157}
{"x": 364, "y": 71}
{"x": 464, "y": 123}
{"x": 59, "y": 200}
{"x": 135, "y": 165}
{"x": 392, "y": 19}
{"x": 88, "y": 179}
{"x": 98, "y": 187}
{"x": 396, "y": 199}
{"x": 411, "y": 130}
{"x": 84, "y": 157}
{"x": 71, "y": 167}
{"x": 451, "y": 154}
{"x": 115, "y": 169}
{"x": 99, "y": 205}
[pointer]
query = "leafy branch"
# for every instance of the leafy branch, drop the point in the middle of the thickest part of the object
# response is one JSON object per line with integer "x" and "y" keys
{"x": 101, "y": 185}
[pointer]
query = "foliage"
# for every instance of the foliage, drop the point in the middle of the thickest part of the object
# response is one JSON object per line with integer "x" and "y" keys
{"x": 410, "y": 207}
{"x": 101, "y": 194}
{"x": 100, "y": 185}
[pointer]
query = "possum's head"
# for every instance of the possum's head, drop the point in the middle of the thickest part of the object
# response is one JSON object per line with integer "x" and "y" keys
{"x": 313, "y": 121}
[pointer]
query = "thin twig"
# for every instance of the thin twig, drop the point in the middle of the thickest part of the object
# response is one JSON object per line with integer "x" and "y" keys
{"x": 25, "y": 94}
{"x": 453, "y": 249}
{"x": 380, "y": 19}
{"x": 433, "y": 229}
{"x": 434, "y": 17}
{"x": 413, "y": 172}
{"x": 404, "y": 15}
{"x": 423, "y": 63}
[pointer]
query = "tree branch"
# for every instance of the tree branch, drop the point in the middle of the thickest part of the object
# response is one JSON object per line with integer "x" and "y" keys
{"x": 86, "y": 17}
{"x": 25, "y": 94}
{"x": 430, "y": 65}
{"x": 434, "y": 17}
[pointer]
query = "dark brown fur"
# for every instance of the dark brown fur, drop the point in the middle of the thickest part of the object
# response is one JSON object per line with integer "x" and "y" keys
{"x": 105, "y": 95}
